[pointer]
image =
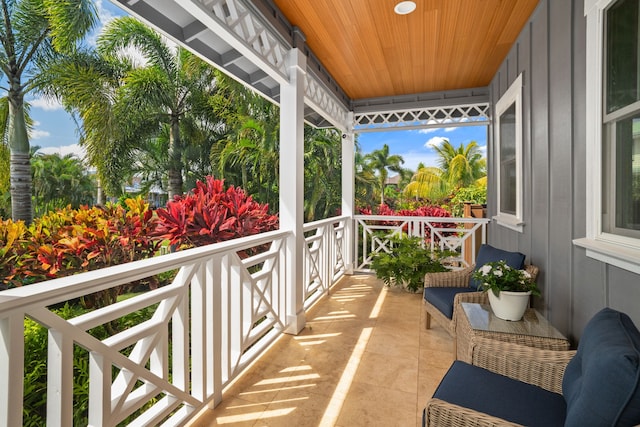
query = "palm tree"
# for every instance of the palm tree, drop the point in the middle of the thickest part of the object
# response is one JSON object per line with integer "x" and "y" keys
{"x": 461, "y": 167}
{"x": 382, "y": 162}
{"x": 323, "y": 162}
{"x": 250, "y": 153}
{"x": 161, "y": 91}
{"x": 125, "y": 107}
{"x": 428, "y": 183}
{"x": 365, "y": 179}
{"x": 32, "y": 31}
{"x": 60, "y": 181}
{"x": 88, "y": 85}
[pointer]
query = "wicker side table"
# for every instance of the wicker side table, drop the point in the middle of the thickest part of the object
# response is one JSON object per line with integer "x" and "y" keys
{"x": 533, "y": 330}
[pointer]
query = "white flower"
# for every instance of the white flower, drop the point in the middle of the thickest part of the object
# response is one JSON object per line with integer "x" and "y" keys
{"x": 498, "y": 272}
{"x": 526, "y": 274}
{"x": 485, "y": 269}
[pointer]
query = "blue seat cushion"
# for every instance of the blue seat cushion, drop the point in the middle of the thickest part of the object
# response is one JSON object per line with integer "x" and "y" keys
{"x": 442, "y": 298}
{"x": 488, "y": 253}
{"x": 600, "y": 383}
{"x": 500, "y": 396}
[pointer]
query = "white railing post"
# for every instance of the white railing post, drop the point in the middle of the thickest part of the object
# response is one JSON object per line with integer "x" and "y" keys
{"x": 291, "y": 184}
{"x": 59, "y": 379}
{"x": 99, "y": 389}
{"x": 214, "y": 336}
{"x": 348, "y": 197}
{"x": 11, "y": 369}
{"x": 180, "y": 338}
{"x": 325, "y": 257}
{"x": 199, "y": 333}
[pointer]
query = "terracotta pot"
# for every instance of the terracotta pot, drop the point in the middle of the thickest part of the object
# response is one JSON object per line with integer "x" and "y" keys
{"x": 509, "y": 305}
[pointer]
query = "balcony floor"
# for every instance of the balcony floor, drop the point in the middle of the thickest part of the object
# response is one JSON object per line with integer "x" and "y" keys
{"x": 364, "y": 358}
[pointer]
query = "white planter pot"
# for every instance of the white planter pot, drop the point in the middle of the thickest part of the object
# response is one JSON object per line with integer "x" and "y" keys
{"x": 509, "y": 305}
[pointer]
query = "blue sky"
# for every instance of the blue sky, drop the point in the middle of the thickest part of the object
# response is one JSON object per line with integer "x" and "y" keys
{"x": 56, "y": 132}
{"x": 416, "y": 146}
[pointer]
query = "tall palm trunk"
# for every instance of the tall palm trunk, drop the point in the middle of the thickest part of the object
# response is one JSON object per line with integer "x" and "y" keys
{"x": 175, "y": 158}
{"x": 383, "y": 179}
{"x": 20, "y": 165}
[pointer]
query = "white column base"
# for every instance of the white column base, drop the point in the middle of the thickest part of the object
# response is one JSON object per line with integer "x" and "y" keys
{"x": 296, "y": 323}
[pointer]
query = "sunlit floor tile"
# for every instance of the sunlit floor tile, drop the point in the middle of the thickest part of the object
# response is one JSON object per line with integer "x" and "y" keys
{"x": 364, "y": 358}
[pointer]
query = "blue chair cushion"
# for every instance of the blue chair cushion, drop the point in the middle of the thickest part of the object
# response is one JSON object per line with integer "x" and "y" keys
{"x": 488, "y": 253}
{"x": 442, "y": 298}
{"x": 500, "y": 396}
{"x": 600, "y": 383}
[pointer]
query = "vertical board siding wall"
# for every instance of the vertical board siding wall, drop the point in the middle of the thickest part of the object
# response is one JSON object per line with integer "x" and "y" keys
{"x": 550, "y": 52}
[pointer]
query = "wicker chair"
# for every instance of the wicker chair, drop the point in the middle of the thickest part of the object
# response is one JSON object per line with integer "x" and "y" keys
{"x": 561, "y": 386}
{"x": 457, "y": 279}
{"x": 542, "y": 368}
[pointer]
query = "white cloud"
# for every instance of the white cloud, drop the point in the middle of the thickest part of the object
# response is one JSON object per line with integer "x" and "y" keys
{"x": 413, "y": 158}
{"x": 37, "y": 134}
{"x": 46, "y": 103}
{"x": 431, "y": 130}
{"x": 436, "y": 141}
{"x": 75, "y": 149}
{"x": 104, "y": 17}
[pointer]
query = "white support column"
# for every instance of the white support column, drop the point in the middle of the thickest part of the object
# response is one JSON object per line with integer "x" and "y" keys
{"x": 292, "y": 184}
{"x": 348, "y": 193}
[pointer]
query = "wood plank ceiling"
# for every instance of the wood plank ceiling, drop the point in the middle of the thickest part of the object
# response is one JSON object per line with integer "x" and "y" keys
{"x": 443, "y": 45}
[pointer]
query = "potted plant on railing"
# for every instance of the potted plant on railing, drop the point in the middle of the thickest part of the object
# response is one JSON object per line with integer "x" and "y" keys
{"x": 406, "y": 262}
{"x": 508, "y": 288}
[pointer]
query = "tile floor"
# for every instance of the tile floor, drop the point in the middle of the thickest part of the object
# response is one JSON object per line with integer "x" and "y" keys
{"x": 363, "y": 359}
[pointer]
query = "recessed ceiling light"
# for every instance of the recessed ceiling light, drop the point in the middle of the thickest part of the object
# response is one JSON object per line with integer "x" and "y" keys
{"x": 405, "y": 7}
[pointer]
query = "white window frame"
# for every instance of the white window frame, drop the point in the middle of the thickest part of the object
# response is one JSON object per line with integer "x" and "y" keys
{"x": 621, "y": 251}
{"x": 512, "y": 96}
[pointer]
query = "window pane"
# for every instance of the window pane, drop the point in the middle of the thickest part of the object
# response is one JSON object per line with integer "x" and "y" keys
{"x": 626, "y": 173}
{"x": 622, "y": 55}
{"x": 508, "y": 160}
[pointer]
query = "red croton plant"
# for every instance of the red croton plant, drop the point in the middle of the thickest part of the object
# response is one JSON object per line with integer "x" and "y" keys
{"x": 211, "y": 214}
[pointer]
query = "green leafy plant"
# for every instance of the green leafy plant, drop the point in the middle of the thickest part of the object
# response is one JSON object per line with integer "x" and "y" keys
{"x": 497, "y": 276}
{"x": 406, "y": 262}
{"x": 474, "y": 194}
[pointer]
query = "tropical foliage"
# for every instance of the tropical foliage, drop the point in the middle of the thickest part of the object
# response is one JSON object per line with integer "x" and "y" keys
{"x": 211, "y": 214}
{"x": 406, "y": 263}
{"x": 476, "y": 194}
{"x": 33, "y": 31}
{"x": 457, "y": 168}
{"x": 131, "y": 110}
{"x": 382, "y": 162}
{"x": 70, "y": 241}
{"x": 60, "y": 181}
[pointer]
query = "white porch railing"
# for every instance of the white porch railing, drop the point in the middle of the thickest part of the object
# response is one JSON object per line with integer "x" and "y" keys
{"x": 217, "y": 315}
{"x": 460, "y": 235}
{"x": 325, "y": 263}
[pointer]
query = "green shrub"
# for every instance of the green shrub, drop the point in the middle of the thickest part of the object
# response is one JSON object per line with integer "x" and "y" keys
{"x": 474, "y": 194}
{"x": 407, "y": 262}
